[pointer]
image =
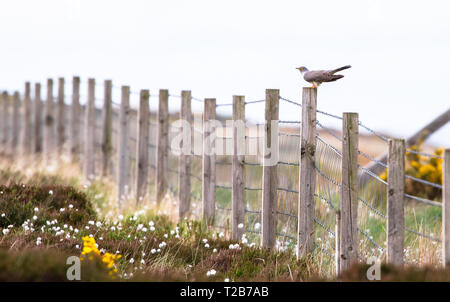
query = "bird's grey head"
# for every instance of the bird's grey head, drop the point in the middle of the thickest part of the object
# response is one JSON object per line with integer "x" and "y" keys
{"x": 302, "y": 69}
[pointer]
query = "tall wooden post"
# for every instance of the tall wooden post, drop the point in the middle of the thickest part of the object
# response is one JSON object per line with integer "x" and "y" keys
{"x": 307, "y": 179}
{"x": 270, "y": 178}
{"x": 184, "y": 192}
{"x": 209, "y": 161}
{"x": 26, "y": 138}
{"x": 5, "y": 120}
{"x": 15, "y": 124}
{"x": 238, "y": 169}
{"x": 122, "y": 177}
{"x": 75, "y": 120}
{"x": 446, "y": 209}
{"x": 107, "y": 129}
{"x": 337, "y": 251}
{"x": 89, "y": 132}
{"x": 37, "y": 119}
{"x": 349, "y": 192}
{"x": 395, "y": 201}
{"x": 142, "y": 145}
{"x": 162, "y": 162}
{"x": 49, "y": 119}
{"x": 60, "y": 118}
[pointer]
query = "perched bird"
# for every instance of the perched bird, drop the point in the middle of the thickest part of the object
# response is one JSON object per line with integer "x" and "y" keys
{"x": 317, "y": 77}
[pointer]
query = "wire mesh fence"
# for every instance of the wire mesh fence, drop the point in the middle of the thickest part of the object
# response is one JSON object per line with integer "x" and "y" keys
{"x": 423, "y": 216}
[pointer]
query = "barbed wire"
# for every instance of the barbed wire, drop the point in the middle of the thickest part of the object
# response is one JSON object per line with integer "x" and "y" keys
{"x": 324, "y": 227}
{"x": 291, "y": 102}
{"x": 370, "y": 238}
{"x": 289, "y": 122}
{"x": 423, "y": 153}
{"x": 382, "y": 137}
{"x": 423, "y": 181}
{"x": 328, "y": 130}
{"x": 424, "y": 201}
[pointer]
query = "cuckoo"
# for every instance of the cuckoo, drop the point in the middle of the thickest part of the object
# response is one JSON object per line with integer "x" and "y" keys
{"x": 317, "y": 77}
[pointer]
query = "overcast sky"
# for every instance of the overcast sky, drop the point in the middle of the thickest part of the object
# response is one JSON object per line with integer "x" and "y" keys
{"x": 399, "y": 51}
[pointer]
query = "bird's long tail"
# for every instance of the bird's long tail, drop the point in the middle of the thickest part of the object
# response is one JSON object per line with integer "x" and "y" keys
{"x": 340, "y": 68}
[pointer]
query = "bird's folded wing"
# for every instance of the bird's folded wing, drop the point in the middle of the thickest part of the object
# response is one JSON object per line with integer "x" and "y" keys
{"x": 317, "y": 76}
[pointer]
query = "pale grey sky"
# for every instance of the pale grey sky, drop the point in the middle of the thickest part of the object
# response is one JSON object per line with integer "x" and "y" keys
{"x": 399, "y": 51}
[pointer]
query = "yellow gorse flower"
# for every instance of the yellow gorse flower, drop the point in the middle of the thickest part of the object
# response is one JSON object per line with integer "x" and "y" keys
{"x": 91, "y": 250}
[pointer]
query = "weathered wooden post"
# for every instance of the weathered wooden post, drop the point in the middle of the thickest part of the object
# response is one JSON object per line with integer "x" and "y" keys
{"x": 446, "y": 209}
{"x": 5, "y": 120}
{"x": 337, "y": 251}
{"x": 60, "y": 118}
{"x": 122, "y": 176}
{"x": 75, "y": 120}
{"x": 37, "y": 119}
{"x": 209, "y": 161}
{"x": 270, "y": 178}
{"x": 49, "y": 119}
{"x": 26, "y": 138}
{"x": 142, "y": 145}
{"x": 89, "y": 132}
{"x": 15, "y": 123}
{"x": 162, "y": 156}
{"x": 238, "y": 169}
{"x": 395, "y": 201}
{"x": 184, "y": 192}
{"x": 107, "y": 129}
{"x": 307, "y": 177}
{"x": 349, "y": 192}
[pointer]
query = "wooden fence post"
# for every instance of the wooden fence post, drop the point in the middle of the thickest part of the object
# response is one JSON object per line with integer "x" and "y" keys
{"x": 15, "y": 123}
{"x": 209, "y": 161}
{"x": 26, "y": 138}
{"x": 337, "y": 252}
{"x": 184, "y": 187}
{"x": 37, "y": 119}
{"x": 89, "y": 132}
{"x": 75, "y": 120}
{"x": 107, "y": 129}
{"x": 307, "y": 177}
{"x": 49, "y": 119}
{"x": 349, "y": 192}
{"x": 395, "y": 201}
{"x": 5, "y": 120}
{"x": 142, "y": 145}
{"x": 446, "y": 209}
{"x": 270, "y": 178}
{"x": 122, "y": 176}
{"x": 238, "y": 169}
{"x": 60, "y": 118}
{"x": 162, "y": 162}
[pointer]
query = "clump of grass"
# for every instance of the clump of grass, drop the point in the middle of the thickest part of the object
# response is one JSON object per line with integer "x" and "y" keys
{"x": 389, "y": 273}
{"x": 46, "y": 265}
{"x": 40, "y": 204}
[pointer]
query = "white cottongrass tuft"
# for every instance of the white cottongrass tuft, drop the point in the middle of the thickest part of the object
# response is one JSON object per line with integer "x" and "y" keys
{"x": 211, "y": 272}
